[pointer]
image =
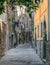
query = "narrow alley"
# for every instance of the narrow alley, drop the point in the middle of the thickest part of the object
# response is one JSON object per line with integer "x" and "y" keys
{"x": 24, "y": 32}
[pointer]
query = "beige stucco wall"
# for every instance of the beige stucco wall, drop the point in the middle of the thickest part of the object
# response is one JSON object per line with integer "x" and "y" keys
{"x": 39, "y": 14}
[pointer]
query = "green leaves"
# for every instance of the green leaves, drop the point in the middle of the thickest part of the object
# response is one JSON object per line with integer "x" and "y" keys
{"x": 1, "y": 6}
{"x": 28, "y": 3}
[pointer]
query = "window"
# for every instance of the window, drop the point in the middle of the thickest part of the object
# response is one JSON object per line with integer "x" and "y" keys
{"x": 41, "y": 29}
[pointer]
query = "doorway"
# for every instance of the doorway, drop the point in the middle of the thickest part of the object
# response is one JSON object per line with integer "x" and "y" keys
{"x": 44, "y": 40}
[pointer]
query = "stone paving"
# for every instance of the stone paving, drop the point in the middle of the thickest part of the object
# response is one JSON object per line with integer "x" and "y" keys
{"x": 23, "y": 54}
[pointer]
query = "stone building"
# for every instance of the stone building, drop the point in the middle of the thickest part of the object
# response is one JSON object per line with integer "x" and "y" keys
{"x": 23, "y": 20}
{"x": 2, "y": 37}
{"x": 41, "y": 28}
{"x": 5, "y": 29}
{"x": 9, "y": 19}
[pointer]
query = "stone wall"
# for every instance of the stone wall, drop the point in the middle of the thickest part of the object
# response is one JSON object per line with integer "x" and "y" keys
{"x": 48, "y": 52}
{"x": 2, "y": 38}
{"x": 39, "y": 48}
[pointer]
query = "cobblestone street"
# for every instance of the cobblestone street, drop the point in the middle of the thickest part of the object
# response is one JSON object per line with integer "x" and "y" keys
{"x": 23, "y": 54}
